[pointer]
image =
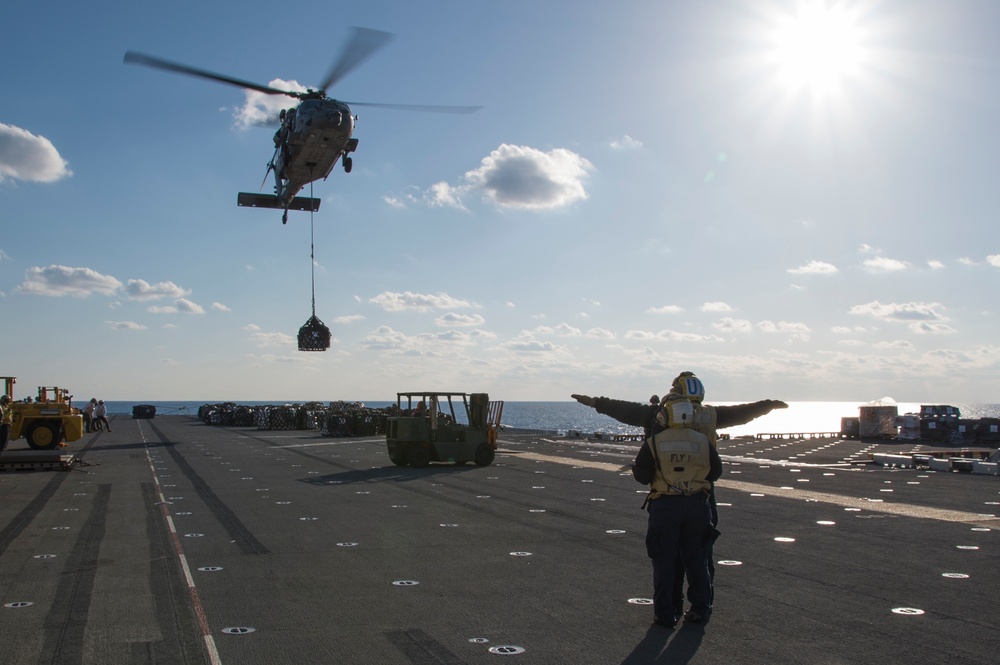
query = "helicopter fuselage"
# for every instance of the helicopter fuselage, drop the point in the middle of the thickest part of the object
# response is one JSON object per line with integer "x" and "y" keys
{"x": 312, "y": 137}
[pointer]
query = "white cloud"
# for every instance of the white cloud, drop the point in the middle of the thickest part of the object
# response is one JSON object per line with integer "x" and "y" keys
{"x": 532, "y": 346}
{"x": 188, "y": 307}
{"x": 934, "y": 264}
{"x": 599, "y": 333}
{"x": 993, "y": 260}
{"x": 139, "y": 289}
{"x": 966, "y": 261}
{"x": 671, "y": 336}
{"x": 397, "y": 302}
{"x": 931, "y": 328}
{"x": 901, "y": 312}
{"x": 795, "y": 331}
{"x": 264, "y": 340}
{"x": 126, "y": 325}
{"x": 814, "y": 268}
{"x": 182, "y": 305}
{"x": 666, "y": 309}
{"x": 625, "y": 143}
{"x": 461, "y": 320}
{"x": 716, "y": 307}
{"x": 729, "y": 324}
{"x": 921, "y": 318}
{"x": 25, "y": 156}
{"x": 443, "y": 195}
{"x": 526, "y": 178}
{"x": 881, "y": 264}
{"x": 58, "y": 281}
{"x": 219, "y": 307}
{"x": 260, "y": 110}
{"x": 253, "y": 327}
{"x": 350, "y": 318}
{"x": 562, "y": 330}
{"x": 895, "y": 345}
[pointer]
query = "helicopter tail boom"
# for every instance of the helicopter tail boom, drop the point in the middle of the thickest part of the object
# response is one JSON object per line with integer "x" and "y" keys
{"x": 248, "y": 200}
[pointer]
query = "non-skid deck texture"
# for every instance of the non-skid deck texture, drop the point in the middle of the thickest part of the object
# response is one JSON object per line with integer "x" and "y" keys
{"x": 179, "y": 542}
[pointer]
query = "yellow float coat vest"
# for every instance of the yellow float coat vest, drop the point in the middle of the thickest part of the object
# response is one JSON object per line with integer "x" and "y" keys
{"x": 705, "y": 419}
{"x": 683, "y": 462}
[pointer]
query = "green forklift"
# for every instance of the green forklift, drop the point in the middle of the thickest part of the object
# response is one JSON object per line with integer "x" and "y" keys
{"x": 443, "y": 427}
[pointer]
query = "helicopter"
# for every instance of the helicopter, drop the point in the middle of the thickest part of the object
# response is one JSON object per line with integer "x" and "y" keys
{"x": 314, "y": 134}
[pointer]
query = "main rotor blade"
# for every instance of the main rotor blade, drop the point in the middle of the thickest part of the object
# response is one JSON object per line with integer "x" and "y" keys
{"x": 364, "y": 42}
{"x": 152, "y": 61}
{"x": 419, "y": 107}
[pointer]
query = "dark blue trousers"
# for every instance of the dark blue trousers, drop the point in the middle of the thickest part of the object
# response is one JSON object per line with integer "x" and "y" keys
{"x": 679, "y": 526}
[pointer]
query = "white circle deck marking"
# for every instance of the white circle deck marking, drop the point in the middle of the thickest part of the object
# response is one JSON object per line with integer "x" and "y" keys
{"x": 912, "y": 611}
{"x": 478, "y": 640}
{"x": 784, "y": 539}
{"x": 826, "y": 522}
{"x": 347, "y": 544}
{"x": 44, "y": 556}
{"x": 405, "y": 583}
{"x": 507, "y": 650}
{"x": 210, "y": 569}
{"x": 967, "y": 547}
{"x": 955, "y": 576}
{"x": 640, "y": 601}
{"x": 238, "y": 630}
{"x": 615, "y": 531}
{"x": 18, "y": 604}
{"x": 520, "y": 553}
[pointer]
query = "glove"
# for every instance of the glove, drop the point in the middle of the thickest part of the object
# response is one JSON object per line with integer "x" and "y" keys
{"x": 586, "y": 400}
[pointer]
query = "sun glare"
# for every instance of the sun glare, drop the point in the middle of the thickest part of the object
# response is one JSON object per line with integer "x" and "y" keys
{"x": 816, "y": 48}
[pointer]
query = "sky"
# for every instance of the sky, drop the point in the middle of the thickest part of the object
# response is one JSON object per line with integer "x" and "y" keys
{"x": 795, "y": 200}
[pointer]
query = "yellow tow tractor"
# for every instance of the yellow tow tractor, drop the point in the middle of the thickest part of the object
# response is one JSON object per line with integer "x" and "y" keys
{"x": 46, "y": 422}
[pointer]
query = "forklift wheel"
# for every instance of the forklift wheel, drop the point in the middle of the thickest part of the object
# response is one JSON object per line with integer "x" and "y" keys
{"x": 418, "y": 456}
{"x": 43, "y": 436}
{"x": 485, "y": 454}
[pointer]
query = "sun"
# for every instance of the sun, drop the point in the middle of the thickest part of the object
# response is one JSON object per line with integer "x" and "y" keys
{"x": 817, "y": 48}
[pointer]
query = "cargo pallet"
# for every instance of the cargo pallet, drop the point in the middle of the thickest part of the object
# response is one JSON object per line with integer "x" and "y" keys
{"x": 38, "y": 460}
{"x": 964, "y": 461}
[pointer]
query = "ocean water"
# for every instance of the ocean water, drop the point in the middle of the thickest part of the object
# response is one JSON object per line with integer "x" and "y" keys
{"x": 799, "y": 417}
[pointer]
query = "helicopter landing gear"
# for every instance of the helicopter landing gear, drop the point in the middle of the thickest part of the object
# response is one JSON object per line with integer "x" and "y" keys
{"x": 348, "y": 164}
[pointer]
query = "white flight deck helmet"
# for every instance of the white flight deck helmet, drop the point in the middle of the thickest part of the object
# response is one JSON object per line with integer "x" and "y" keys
{"x": 690, "y": 386}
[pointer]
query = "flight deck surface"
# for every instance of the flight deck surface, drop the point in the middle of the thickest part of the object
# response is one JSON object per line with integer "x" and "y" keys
{"x": 179, "y": 542}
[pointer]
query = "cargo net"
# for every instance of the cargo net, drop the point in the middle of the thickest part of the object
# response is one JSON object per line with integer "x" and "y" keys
{"x": 338, "y": 419}
{"x": 314, "y": 335}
